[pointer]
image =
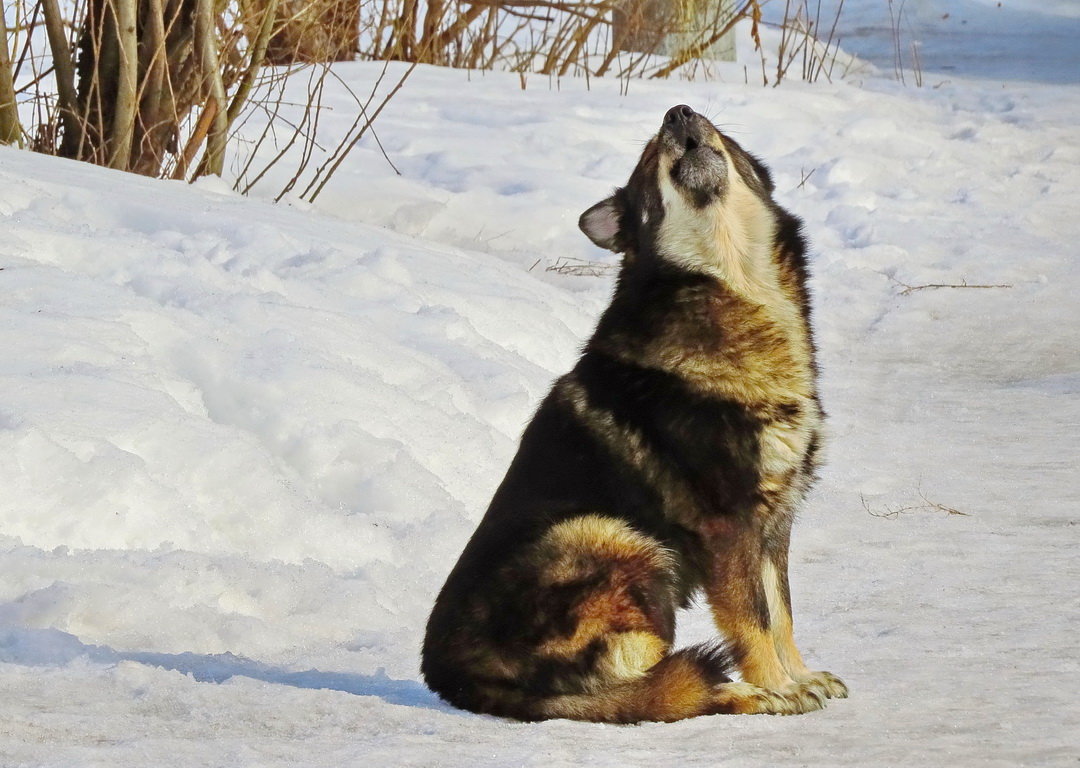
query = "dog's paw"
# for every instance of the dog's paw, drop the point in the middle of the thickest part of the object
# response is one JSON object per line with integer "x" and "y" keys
{"x": 797, "y": 701}
{"x": 825, "y": 684}
{"x": 748, "y": 699}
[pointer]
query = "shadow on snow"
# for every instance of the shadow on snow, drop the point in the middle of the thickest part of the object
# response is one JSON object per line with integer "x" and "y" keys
{"x": 51, "y": 647}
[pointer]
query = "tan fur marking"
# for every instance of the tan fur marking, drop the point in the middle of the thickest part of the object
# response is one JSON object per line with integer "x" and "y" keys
{"x": 783, "y": 445}
{"x": 567, "y": 544}
{"x": 741, "y": 699}
{"x": 757, "y": 360}
{"x": 781, "y": 624}
{"x": 571, "y": 551}
{"x": 585, "y": 631}
{"x": 683, "y": 695}
{"x": 673, "y": 690}
{"x": 760, "y": 665}
{"x": 732, "y": 239}
{"x": 595, "y": 618}
{"x": 762, "y": 357}
{"x": 629, "y": 444}
{"x": 631, "y": 655}
{"x": 731, "y": 594}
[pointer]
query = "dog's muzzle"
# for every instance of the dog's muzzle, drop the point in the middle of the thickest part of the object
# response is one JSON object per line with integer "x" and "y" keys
{"x": 677, "y": 126}
{"x": 697, "y": 167}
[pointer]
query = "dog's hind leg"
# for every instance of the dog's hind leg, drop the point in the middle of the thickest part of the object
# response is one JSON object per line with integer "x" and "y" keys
{"x": 599, "y": 634}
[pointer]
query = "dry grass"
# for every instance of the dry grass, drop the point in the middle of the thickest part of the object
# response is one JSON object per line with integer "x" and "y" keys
{"x": 580, "y": 267}
{"x": 901, "y": 30}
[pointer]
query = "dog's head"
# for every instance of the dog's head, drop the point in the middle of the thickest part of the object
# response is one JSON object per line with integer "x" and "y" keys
{"x": 696, "y": 199}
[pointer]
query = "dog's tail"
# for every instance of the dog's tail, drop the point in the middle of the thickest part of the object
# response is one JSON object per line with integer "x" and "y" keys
{"x": 687, "y": 683}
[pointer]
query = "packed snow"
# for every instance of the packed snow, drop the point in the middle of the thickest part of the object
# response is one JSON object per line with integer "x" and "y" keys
{"x": 244, "y": 442}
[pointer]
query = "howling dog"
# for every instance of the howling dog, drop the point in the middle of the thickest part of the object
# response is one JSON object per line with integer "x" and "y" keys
{"x": 669, "y": 462}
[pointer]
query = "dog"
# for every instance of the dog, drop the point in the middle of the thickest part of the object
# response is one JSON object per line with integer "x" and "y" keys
{"x": 668, "y": 463}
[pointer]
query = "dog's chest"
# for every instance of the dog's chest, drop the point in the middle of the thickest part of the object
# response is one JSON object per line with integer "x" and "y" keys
{"x": 769, "y": 368}
{"x": 784, "y": 442}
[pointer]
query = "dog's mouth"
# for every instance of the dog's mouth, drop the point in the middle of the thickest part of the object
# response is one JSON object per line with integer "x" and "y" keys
{"x": 679, "y": 142}
{"x": 696, "y": 166}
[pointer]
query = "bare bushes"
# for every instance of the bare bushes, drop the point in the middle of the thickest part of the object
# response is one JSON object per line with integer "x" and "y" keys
{"x": 626, "y": 38}
{"x": 310, "y": 31}
{"x": 808, "y": 40}
{"x": 596, "y": 38}
{"x": 148, "y": 86}
{"x": 287, "y": 146}
{"x": 159, "y": 87}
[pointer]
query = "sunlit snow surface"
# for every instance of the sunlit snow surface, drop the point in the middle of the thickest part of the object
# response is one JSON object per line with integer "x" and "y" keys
{"x": 243, "y": 442}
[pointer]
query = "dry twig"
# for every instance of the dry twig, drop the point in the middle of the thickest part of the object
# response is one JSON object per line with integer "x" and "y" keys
{"x": 910, "y": 289}
{"x": 891, "y": 513}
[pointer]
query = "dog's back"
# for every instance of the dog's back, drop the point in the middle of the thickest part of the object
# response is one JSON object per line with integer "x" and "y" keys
{"x": 668, "y": 461}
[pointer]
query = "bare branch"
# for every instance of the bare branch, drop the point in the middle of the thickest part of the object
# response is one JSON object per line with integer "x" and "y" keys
{"x": 910, "y": 289}
{"x": 255, "y": 60}
{"x": 123, "y": 125}
{"x": 348, "y": 148}
{"x": 65, "y": 74}
{"x": 10, "y": 128}
{"x": 213, "y": 160}
{"x": 893, "y": 512}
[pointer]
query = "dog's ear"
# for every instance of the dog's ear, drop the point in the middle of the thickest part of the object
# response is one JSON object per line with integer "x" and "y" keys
{"x": 601, "y": 223}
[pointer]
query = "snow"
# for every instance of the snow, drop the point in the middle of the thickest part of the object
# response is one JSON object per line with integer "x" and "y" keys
{"x": 244, "y": 442}
{"x": 994, "y": 40}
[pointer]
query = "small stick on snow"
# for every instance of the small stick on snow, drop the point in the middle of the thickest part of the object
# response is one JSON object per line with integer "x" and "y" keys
{"x": 892, "y": 513}
{"x": 909, "y": 289}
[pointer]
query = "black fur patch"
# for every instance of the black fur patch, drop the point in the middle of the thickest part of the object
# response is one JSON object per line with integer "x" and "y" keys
{"x": 716, "y": 660}
{"x": 711, "y": 444}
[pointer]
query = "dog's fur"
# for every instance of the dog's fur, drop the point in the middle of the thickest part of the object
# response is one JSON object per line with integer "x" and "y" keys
{"x": 668, "y": 462}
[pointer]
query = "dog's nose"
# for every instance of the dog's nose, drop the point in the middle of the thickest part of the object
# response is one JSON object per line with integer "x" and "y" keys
{"x": 678, "y": 115}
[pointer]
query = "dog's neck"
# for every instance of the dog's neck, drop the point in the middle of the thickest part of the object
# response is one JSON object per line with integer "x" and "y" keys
{"x": 733, "y": 244}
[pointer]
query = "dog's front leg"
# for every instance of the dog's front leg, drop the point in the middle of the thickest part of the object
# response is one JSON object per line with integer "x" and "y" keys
{"x": 738, "y": 593}
{"x": 774, "y": 577}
